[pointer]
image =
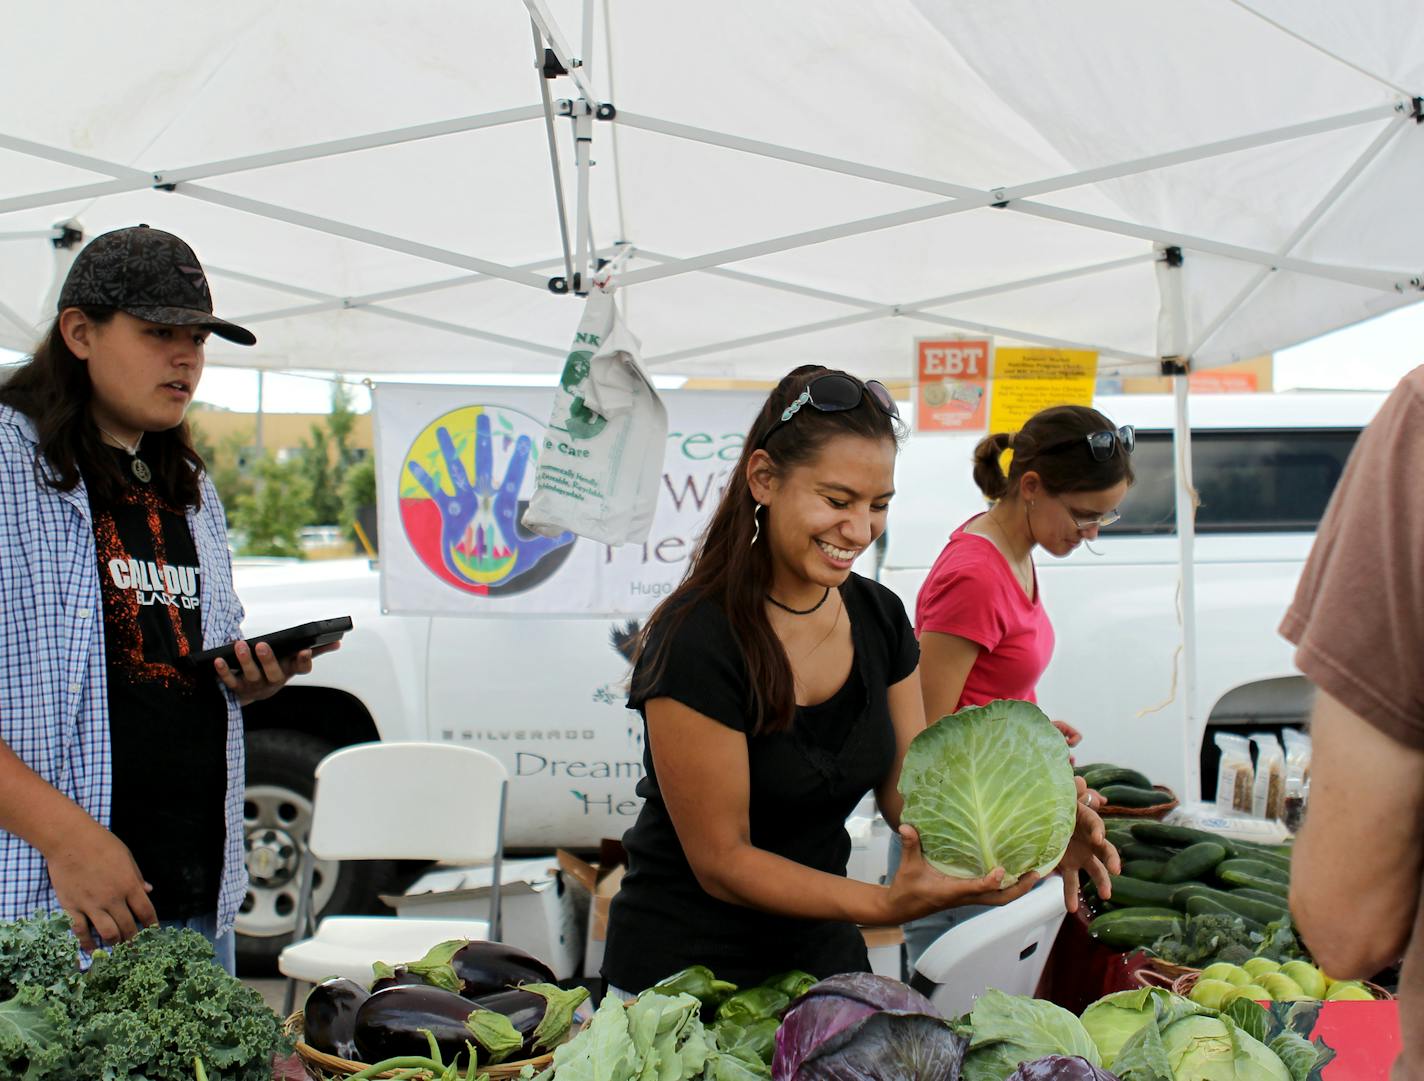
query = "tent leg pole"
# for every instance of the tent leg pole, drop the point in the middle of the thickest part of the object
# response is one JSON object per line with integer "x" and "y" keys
{"x": 583, "y": 142}
{"x": 1192, "y": 727}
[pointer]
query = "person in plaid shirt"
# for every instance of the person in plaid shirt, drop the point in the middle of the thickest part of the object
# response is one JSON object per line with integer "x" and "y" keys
{"x": 121, "y": 768}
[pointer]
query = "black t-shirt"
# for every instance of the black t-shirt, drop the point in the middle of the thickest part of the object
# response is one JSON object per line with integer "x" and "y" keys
{"x": 167, "y": 727}
{"x": 803, "y": 782}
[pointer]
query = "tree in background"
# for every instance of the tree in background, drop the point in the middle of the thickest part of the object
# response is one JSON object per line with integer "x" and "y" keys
{"x": 224, "y": 462}
{"x": 358, "y": 490}
{"x": 269, "y": 519}
{"x": 328, "y": 456}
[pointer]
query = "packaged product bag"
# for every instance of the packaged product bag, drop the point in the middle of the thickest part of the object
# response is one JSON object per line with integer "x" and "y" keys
{"x": 601, "y": 461}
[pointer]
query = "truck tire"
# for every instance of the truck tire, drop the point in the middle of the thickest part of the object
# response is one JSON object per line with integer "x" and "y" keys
{"x": 281, "y": 776}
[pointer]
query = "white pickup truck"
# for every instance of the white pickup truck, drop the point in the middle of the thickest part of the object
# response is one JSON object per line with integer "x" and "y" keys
{"x": 1265, "y": 466}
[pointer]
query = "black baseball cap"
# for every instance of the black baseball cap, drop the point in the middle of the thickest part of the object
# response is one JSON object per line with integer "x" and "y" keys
{"x": 148, "y": 273}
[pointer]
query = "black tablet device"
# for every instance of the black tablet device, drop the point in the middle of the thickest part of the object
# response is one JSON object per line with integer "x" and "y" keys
{"x": 284, "y": 642}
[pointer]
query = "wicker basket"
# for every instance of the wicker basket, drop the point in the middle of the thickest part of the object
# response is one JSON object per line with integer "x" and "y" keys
{"x": 1183, "y": 985}
{"x": 1160, "y": 811}
{"x": 341, "y": 1067}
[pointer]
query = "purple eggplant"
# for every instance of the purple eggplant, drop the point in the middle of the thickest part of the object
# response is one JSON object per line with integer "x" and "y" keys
{"x": 330, "y": 1016}
{"x": 541, "y": 1013}
{"x": 476, "y": 968}
{"x": 399, "y": 976}
{"x": 392, "y": 1023}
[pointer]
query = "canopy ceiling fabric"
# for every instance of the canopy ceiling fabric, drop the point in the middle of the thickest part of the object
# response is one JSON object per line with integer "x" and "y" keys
{"x": 737, "y": 124}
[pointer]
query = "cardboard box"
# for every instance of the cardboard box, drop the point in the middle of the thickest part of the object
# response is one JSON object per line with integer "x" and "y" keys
{"x": 600, "y": 881}
{"x": 538, "y": 911}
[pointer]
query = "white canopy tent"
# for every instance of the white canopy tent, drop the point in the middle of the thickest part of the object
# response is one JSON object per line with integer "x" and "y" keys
{"x": 370, "y": 185}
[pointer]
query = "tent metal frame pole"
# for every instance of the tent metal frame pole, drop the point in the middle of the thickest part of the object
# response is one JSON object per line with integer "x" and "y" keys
{"x": 548, "y": 104}
{"x": 1192, "y": 729}
{"x": 354, "y": 232}
{"x": 30, "y": 234}
{"x": 127, "y": 179}
{"x": 1362, "y": 276}
{"x": 539, "y": 12}
{"x": 12, "y": 316}
{"x": 799, "y": 240}
{"x": 331, "y": 148}
{"x": 916, "y": 310}
{"x": 325, "y": 302}
{"x": 583, "y": 158}
{"x": 1020, "y": 191}
{"x": 1301, "y": 232}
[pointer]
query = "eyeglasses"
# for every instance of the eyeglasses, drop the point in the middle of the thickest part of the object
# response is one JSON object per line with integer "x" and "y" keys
{"x": 1102, "y": 444}
{"x": 836, "y": 393}
{"x": 1102, "y": 521}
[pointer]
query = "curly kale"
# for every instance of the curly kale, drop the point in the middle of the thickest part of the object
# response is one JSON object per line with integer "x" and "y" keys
{"x": 145, "y": 1011}
{"x": 39, "y": 951}
{"x": 159, "y": 1001}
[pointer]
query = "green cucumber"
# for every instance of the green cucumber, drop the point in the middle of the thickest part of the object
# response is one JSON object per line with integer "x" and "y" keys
{"x": 1080, "y": 771}
{"x": 1257, "y": 868}
{"x": 1241, "y": 879}
{"x": 1263, "y": 910}
{"x": 1139, "y": 892}
{"x": 1279, "y": 900}
{"x": 1136, "y": 850}
{"x": 1189, "y": 889}
{"x": 1118, "y": 838}
{"x": 1204, "y": 905}
{"x": 1126, "y": 795}
{"x": 1144, "y": 870}
{"x": 1155, "y": 833}
{"x": 1132, "y": 928}
{"x": 1193, "y": 862}
{"x": 1106, "y": 775}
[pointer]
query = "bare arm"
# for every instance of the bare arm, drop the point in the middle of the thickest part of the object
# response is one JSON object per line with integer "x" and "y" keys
{"x": 1354, "y": 903}
{"x": 907, "y": 713}
{"x": 703, "y": 774}
{"x": 93, "y": 873}
{"x": 945, "y": 661}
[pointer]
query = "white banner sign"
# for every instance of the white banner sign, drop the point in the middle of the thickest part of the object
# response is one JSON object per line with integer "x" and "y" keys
{"x": 455, "y": 469}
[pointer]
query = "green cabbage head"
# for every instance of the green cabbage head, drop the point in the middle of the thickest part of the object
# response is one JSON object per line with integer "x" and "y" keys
{"x": 991, "y": 786}
{"x": 1206, "y": 1048}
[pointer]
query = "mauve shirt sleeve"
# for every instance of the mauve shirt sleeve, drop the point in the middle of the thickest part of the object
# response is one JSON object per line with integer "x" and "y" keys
{"x": 1358, "y": 616}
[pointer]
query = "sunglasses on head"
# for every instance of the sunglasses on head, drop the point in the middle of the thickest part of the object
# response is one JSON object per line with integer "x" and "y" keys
{"x": 836, "y": 393}
{"x": 1101, "y": 444}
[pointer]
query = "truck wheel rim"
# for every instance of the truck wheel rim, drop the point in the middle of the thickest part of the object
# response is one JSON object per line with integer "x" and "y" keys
{"x": 275, "y": 825}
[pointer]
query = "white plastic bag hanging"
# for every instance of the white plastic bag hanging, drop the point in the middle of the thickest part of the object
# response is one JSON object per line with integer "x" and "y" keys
{"x": 602, "y": 457}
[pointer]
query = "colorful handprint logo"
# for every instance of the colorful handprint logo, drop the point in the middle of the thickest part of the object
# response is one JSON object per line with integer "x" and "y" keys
{"x": 468, "y": 533}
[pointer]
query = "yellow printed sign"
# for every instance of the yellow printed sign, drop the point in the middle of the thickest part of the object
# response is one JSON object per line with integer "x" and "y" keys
{"x": 1027, "y": 380}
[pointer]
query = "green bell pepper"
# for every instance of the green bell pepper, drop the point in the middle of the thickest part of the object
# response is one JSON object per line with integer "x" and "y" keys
{"x": 698, "y": 982}
{"x": 754, "y": 1004}
{"x": 792, "y": 984}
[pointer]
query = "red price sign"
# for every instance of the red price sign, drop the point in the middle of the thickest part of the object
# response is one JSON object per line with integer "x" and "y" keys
{"x": 952, "y": 385}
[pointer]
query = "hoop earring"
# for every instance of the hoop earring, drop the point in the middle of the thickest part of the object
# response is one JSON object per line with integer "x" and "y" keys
{"x": 756, "y": 522}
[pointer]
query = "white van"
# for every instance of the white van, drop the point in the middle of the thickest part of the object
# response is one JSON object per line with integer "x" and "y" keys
{"x": 1265, "y": 466}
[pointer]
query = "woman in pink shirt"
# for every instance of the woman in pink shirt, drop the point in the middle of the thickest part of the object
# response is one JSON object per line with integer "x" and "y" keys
{"x": 983, "y": 630}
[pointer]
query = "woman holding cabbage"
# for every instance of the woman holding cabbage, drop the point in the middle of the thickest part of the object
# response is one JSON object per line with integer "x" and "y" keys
{"x": 778, "y": 688}
{"x": 984, "y": 632}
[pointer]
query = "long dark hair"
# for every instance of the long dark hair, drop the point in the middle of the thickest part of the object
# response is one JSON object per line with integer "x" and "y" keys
{"x": 729, "y": 571}
{"x": 1070, "y": 470}
{"x": 53, "y": 389}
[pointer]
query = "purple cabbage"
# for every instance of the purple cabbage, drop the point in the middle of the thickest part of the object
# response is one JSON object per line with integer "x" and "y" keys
{"x": 862, "y": 1026}
{"x": 1060, "y": 1068}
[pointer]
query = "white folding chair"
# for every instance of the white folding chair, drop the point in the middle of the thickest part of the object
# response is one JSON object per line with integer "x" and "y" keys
{"x": 1004, "y": 947}
{"x": 394, "y": 801}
